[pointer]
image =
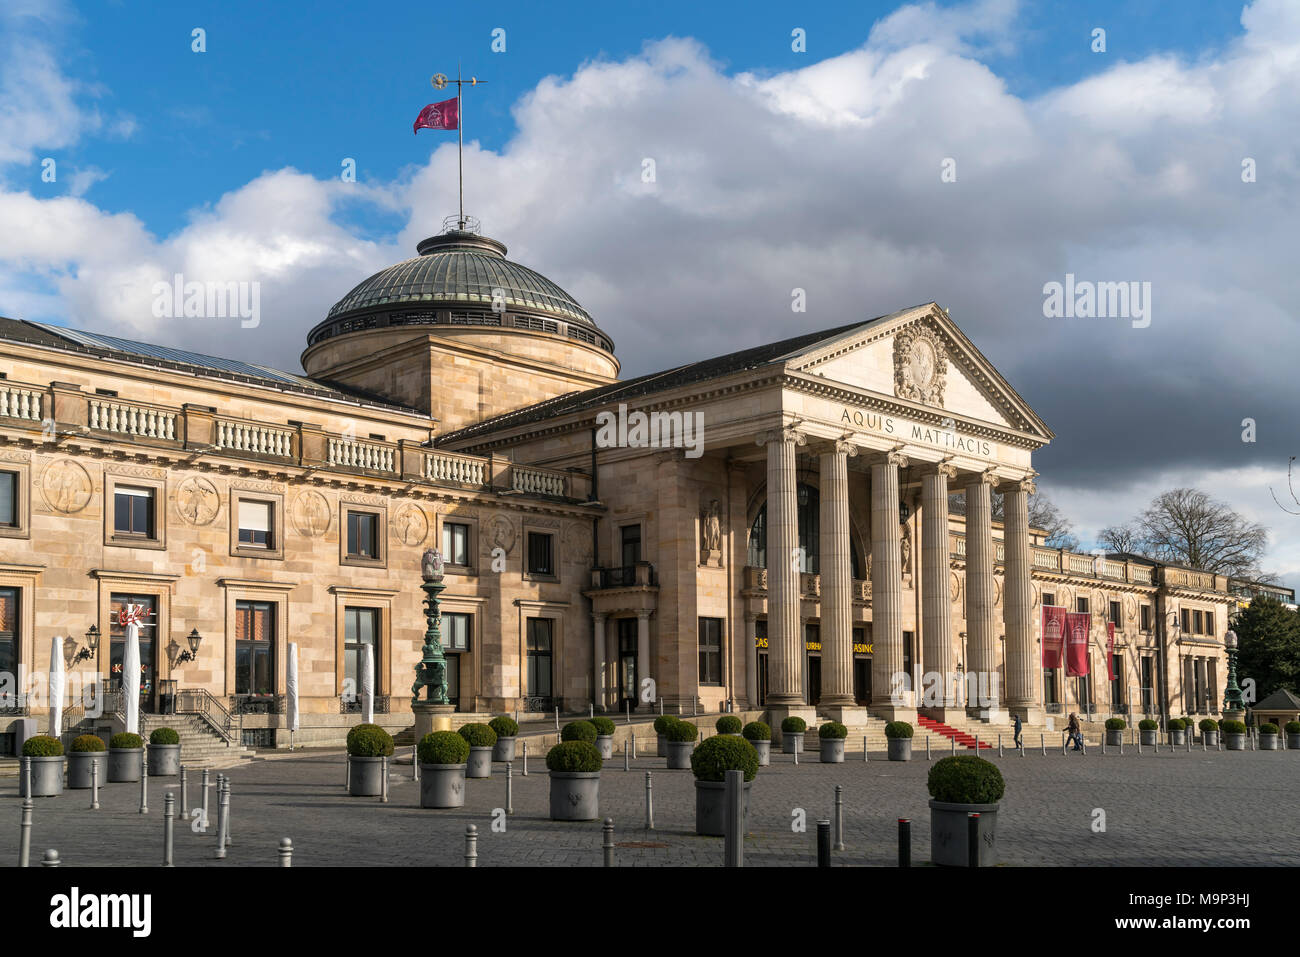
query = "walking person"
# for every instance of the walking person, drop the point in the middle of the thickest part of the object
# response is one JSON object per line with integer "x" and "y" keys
{"x": 1016, "y": 727}
{"x": 1075, "y": 734}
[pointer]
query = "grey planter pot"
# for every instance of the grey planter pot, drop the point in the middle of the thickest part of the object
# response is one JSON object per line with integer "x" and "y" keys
{"x": 679, "y": 755}
{"x": 1268, "y": 742}
{"x": 662, "y": 749}
{"x": 1234, "y": 742}
{"x": 605, "y": 745}
{"x": 1147, "y": 738}
{"x": 1177, "y": 738}
{"x": 47, "y": 777}
{"x": 832, "y": 750}
{"x": 1293, "y": 742}
{"x": 504, "y": 749}
{"x": 711, "y": 807}
{"x": 125, "y": 764}
{"x": 480, "y": 762}
{"x": 575, "y": 795}
{"x": 79, "y": 765}
{"x": 1114, "y": 738}
{"x": 1211, "y": 738}
{"x": 900, "y": 749}
{"x": 764, "y": 749}
{"x": 164, "y": 760}
{"x": 365, "y": 776}
{"x": 949, "y": 835}
{"x": 442, "y": 785}
{"x": 792, "y": 742}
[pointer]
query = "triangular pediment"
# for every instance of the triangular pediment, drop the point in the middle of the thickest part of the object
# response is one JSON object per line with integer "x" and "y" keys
{"x": 919, "y": 357}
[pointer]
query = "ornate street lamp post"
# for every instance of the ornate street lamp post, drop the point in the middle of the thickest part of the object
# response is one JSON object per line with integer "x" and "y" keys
{"x": 431, "y": 671}
{"x": 1233, "y": 705}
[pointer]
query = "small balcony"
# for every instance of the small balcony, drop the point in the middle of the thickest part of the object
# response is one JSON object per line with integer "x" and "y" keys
{"x": 640, "y": 575}
{"x": 351, "y": 704}
{"x": 257, "y": 704}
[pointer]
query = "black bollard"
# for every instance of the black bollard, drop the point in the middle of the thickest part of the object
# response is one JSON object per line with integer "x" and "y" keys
{"x": 823, "y": 843}
{"x": 973, "y": 839}
{"x": 904, "y": 842}
{"x": 169, "y": 823}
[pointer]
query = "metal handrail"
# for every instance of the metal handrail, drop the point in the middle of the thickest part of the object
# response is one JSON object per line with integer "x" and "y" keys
{"x": 201, "y": 702}
{"x": 351, "y": 704}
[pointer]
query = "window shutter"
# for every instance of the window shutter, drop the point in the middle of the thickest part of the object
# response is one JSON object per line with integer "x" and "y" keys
{"x": 255, "y": 516}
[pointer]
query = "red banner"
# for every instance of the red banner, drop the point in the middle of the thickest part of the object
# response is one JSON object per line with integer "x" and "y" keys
{"x": 439, "y": 116}
{"x": 1110, "y": 650}
{"x": 1078, "y": 624}
{"x": 1053, "y": 635}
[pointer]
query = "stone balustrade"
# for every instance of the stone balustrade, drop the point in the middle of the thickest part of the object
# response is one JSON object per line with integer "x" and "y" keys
{"x": 128, "y": 418}
{"x": 251, "y": 437}
{"x": 536, "y": 481}
{"x": 357, "y": 454}
{"x": 20, "y": 401}
{"x": 450, "y": 467}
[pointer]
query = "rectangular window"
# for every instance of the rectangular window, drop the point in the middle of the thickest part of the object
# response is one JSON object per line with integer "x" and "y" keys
{"x": 539, "y": 657}
{"x": 1081, "y": 605}
{"x": 1148, "y": 686}
{"x": 133, "y": 511}
{"x": 363, "y": 535}
{"x": 1049, "y": 598}
{"x": 147, "y": 632}
{"x": 1117, "y": 686}
{"x": 456, "y": 629}
{"x": 1146, "y": 617}
{"x": 254, "y": 647}
{"x": 360, "y": 629}
{"x": 1049, "y": 687}
{"x": 710, "y": 651}
{"x": 1209, "y": 622}
{"x": 455, "y": 543}
{"x": 1115, "y": 613}
{"x": 8, "y": 642}
{"x": 630, "y": 543}
{"x": 255, "y": 524}
{"x": 9, "y": 499}
{"x": 1198, "y": 622}
{"x": 541, "y": 553}
{"x": 1187, "y": 621}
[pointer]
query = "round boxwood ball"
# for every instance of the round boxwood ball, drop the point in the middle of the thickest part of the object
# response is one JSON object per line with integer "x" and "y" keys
{"x": 966, "y": 779}
{"x": 727, "y": 724}
{"x": 682, "y": 731}
{"x": 88, "y": 742}
{"x": 603, "y": 725}
{"x": 579, "y": 731}
{"x": 1293, "y": 727}
{"x": 1174, "y": 724}
{"x": 126, "y": 741}
{"x": 164, "y": 736}
{"x": 369, "y": 741}
{"x": 42, "y": 746}
{"x": 794, "y": 724}
{"x": 1209, "y": 724}
{"x": 756, "y": 731}
{"x": 443, "y": 747}
{"x": 716, "y": 756}
{"x": 1148, "y": 724}
{"x": 832, "y": 729}
{"x": 663, "y": 722}
{"x": 1115, "y": 724}
{"x": 1268, "y": 728}
{"x": 898, "y": 729}
{"x": 504, "y": 726}
{"x": 574, "y": 756}
{"x": 1232, "y": 727}
{"x": 478, "y": 735}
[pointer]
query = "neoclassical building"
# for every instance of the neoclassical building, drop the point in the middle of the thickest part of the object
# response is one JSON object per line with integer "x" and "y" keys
{"x": 801, "y": 527}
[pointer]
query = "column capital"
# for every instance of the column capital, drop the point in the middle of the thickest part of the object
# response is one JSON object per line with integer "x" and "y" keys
{"x": 987, "y": 477}
{"x": 643, "y": 614}
{"x": 599, "y": 617}
{"x": 944, "y": 468}
{"x": 1025, "y": 484}
{"x": 787, "y": 433}
{"x": 892, "y": 456}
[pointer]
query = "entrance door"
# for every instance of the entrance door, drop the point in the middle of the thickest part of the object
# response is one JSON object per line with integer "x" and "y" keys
{"x": 117, "y": 646}
{"x": 862, "y": 680}
{"x": 762, "y": 678}
{"x": 627, "y": 676}
{"x": 908, "y": 659}
{"x": 814, "y": 679}
{"x": 453, "y": 680}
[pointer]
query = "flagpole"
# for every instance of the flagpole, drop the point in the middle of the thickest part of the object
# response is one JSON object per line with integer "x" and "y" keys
{"x": 460, "y": 146}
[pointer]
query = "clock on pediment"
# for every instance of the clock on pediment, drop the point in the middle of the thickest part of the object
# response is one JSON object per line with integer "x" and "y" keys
{"x": 920, "y": 365}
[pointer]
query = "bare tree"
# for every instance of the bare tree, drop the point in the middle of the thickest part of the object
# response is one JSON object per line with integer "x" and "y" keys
{"x": 1044, "y": 514}
{"x": 1187, "y": 527}
{"x": 1121, "y": 538}
{"x": 1290, "y": 487}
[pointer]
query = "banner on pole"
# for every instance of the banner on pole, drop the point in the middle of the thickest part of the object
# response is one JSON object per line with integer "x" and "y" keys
{"x": 1110, "y": 650}
{"x": 1078, "y": 624}
{"x": 1053, "y": 635}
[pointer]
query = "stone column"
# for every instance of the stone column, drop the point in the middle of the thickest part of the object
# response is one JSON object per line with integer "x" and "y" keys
{"x": 598, "y": 696}
{"x": 643, "y": 661}
{"x": 836, "y": 568}
{"x": 751, "y": 662}
{"x": 889, "y": 699}
{"x": 981, "y": 621}
{"x": 936, "y": 593}
{"x": 1017, "y": 604}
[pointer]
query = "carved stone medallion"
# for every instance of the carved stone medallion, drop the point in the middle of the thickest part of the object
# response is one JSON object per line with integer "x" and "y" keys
{"x": 501, "y": 533}
{"x": 920, "y": 365}
{"x": 577, "y": 539}
{"x": 197, "y": 500}
{"x": 310, "y": 513}
{"x": 65, "y": 486}
{"x": 410, "y": 524}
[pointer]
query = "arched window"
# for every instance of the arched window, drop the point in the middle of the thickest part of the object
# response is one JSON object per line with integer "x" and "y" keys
{"x": 809, "y": 535}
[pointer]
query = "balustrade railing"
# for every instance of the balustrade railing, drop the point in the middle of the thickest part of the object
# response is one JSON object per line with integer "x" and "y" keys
{"x": 20, "y": 403}
{"x": 464, "y": 469}
{"x": 356, "y": 454}
{"x": 251, "y": 437}
{"x": 352, "y": 704}
{"x": 125, "y": 418}
{"x": 537, "y": 481}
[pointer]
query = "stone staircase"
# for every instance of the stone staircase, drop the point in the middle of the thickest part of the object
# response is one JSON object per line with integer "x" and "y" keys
{"x": 201, "y": 746}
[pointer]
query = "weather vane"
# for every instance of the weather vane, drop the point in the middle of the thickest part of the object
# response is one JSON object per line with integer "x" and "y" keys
{"x": 447, "y": 115}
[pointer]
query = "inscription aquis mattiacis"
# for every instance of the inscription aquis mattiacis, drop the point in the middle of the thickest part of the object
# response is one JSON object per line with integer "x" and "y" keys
{"x": 942, "y": 438}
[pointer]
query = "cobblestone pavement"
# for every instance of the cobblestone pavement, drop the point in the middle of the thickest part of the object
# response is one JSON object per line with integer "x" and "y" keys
{"x": 1170, "y": 809}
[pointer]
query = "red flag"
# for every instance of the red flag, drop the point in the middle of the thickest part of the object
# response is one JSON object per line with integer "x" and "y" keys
{"x": 1110, "y": 650}
{"x": 1077, "y": 626}
{"x": 1053, "y": 635}
{"x": 439, "y": 116}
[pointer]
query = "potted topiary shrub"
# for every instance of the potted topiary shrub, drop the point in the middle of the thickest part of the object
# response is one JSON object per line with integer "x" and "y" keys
{"x": 442, "y": 769}
{"x": 1115, "y": 731}
{"x": 1292, "y": 735}
{"x": 45, "y": 756}
{"x": 481, "y": 739}
{"x": 575, "y": 781}
{"x": 681, "y": 740}
{"x": 604, "y": 735}
{"x": 832, "y": 735}
{"x": 579, "y": 731}
{"x": 1234, "y": 735}
{"x": 792, "y": 732}
{"x": 87, "y": 750}
{"x": 368, "y": 745}
{"x": 1148, "y": 728}
{"x": 899, "y": 734}
{"x": 959, "y": 786}
{"x": 711, "y": 762}
{"x": 1177, "y": 727}
{"x": 1268, "y": 737}
{"x": 506, "y": 729}
{"x": 760, "y": 736}
{"x": 661, "y": 731}
{"x": 1210, "y": 732}
{"x": 125, "y": 757}
{"x": 727, "y": 724}
{"x": 164, "y": 753}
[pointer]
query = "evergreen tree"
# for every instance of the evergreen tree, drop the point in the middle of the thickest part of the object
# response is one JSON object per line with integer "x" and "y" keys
{"x": 1269, "y": 648}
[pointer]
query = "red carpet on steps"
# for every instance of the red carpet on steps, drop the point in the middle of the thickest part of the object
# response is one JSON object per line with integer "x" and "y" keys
{"x": 961, "y": 737}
